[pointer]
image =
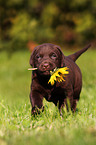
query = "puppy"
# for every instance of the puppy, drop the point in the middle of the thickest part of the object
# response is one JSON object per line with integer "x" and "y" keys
{"x": 47, "y": 57}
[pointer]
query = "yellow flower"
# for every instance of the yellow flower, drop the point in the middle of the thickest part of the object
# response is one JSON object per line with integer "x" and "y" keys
{"x": 58, "y": 75}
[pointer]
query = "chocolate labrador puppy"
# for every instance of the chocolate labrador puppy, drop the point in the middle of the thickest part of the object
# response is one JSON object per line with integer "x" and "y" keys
{"x": 46, "y": 57}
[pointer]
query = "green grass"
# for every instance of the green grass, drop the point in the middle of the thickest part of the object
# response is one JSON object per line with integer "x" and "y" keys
{"x": 17, "y": 127}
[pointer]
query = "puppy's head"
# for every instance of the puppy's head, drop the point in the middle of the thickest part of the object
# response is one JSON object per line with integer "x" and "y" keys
{"x": 46, "y": 57}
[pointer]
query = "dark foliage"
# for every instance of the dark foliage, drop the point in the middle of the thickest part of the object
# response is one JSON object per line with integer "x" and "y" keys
{"x": 63, "y": 22}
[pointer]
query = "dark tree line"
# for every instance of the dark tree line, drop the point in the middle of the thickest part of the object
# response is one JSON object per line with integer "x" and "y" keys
{"x": 65, "y": 22}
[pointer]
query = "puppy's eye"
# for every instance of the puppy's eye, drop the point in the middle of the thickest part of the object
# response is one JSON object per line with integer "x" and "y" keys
{"x": 53, "y": 56}
{"x": 39, "y": 56}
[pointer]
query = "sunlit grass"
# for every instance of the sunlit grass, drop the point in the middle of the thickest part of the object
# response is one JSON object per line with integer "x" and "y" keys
{"x": 17, "y": 127}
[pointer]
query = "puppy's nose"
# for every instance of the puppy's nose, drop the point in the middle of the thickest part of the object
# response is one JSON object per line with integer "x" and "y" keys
{"x": 46, "y": 65}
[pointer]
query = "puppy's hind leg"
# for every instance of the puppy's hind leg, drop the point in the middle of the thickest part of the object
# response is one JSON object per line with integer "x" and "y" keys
{"x": 76, "y": 97}
{"x": 74, "y": 104}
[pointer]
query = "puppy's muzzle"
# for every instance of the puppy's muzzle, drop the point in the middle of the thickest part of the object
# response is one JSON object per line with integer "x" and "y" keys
{"x": 46, "y": 66}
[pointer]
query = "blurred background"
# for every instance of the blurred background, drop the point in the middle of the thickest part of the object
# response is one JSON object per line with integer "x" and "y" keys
{"x": 27, "y": 23}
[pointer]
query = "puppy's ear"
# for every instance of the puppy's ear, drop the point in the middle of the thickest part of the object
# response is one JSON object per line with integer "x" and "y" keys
{"x": 31, "y": 60}
{"x": 62, "y": 57}
{"x": 32, "y": 57}
{"x": 62, "y": 60}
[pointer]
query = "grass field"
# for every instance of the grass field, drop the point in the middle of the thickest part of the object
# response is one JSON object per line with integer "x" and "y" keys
{"x": 17, "y": 127}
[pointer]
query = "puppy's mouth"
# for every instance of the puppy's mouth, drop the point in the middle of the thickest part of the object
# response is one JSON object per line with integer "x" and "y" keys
{"x": 45, "y": 68}
{"x": 44, "y": 72}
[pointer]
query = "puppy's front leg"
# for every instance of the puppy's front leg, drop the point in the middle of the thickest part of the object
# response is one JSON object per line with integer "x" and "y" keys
{"x": 36, "y": 101}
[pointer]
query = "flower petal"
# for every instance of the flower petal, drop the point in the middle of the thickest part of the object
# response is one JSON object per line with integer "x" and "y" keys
{"x": 58, "y": 75}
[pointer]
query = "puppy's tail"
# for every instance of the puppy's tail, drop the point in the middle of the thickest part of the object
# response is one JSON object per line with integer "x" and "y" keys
{"x": 78, "y": 53}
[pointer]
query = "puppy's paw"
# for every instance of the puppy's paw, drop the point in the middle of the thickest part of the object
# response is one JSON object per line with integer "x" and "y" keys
{"x": 35, "y": 110}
